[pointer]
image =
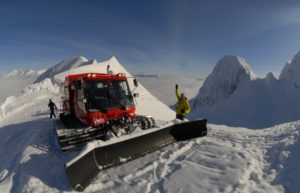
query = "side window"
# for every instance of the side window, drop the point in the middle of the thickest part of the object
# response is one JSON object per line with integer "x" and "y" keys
{"x": 100, "y": 85}
{"x": 79, "y": 90}
{"x": 80, "y": 95}
{"x": 123, "y": 85}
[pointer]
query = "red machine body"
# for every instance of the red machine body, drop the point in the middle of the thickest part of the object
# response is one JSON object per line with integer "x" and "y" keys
{"x": 96, "y": 98}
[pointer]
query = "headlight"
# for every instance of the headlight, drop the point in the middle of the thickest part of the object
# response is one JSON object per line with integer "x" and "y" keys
{"x": 99, "y": 121}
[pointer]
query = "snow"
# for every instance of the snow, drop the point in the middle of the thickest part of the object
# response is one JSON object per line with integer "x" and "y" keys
{"x": 291, "y": 71}
{"x": 230, "y": 73}
{"x": 229, "y": 159}
{"x": 234, "y": 96}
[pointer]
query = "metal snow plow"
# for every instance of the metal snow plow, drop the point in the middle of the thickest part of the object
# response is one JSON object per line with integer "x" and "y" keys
{"x": 82, "y": 170}
{"x": 73, "y": 134}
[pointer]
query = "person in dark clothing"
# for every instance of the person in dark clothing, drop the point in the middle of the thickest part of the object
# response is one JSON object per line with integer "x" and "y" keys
{"x": 52, "y": 106}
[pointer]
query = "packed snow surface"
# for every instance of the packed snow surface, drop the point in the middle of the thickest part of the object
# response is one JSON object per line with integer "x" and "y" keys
{"x": 229, "y": 159}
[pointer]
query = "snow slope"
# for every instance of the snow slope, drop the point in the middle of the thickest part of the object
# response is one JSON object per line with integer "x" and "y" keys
{"x": 291, "y": 71}
{"x": 233, "y": 95}
{"x": 229, "y": 159}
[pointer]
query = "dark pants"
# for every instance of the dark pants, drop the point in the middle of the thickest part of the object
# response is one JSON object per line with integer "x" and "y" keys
{"x": 180, "y": 116}
{"x": 52, "y": 113}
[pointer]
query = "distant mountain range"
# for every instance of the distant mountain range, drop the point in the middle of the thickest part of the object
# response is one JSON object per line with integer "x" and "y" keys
{"x": 232, "y": 94}
{"x": 20, "y": 72}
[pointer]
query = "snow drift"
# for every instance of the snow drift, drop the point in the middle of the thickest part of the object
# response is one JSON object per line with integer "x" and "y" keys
{"x": 233, "y": 95}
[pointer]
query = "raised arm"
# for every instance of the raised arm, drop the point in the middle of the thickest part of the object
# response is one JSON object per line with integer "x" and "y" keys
{"x": 177, "y": 92}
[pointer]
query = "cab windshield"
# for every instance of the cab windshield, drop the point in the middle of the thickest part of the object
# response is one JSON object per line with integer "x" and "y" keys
{"x": 108, "y": 94}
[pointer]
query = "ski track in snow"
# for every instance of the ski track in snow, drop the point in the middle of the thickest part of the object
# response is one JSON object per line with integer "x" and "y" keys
{"x": 227, "y": 161}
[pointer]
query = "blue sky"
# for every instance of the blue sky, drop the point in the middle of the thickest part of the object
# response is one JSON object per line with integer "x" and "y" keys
{"x": 151, "y": 36}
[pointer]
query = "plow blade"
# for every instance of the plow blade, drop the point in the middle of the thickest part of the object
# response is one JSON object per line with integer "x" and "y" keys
{"x": 81, "y": 172}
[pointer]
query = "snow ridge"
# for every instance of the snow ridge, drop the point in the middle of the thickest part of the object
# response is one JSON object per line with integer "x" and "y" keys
{"x": 63, "y": 66}
{"x": 291, "y": 71}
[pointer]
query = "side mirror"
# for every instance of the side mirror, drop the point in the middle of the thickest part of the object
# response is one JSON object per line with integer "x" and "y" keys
{"x": 135, "y": 82}
{"x": 135, "y": 95}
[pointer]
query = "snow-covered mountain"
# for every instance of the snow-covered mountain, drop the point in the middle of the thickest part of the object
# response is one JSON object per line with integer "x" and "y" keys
{"x": 291, "y": 71}
{"x": 230, "y": 73}
{"x": 64, "y": 66}
{"x": 24, "y": 73}
{"x": 20, "y": 73}
{"x": 233, "y": 95}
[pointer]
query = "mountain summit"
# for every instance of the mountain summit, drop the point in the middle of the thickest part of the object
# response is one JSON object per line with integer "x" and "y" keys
{"x": 229, "y": 73}
{"x": 291, "y": 71}
{"x": 63, "y": 66}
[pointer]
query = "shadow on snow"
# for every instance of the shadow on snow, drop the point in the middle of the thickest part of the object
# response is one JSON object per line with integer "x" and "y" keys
{"x": 29, "y": 150}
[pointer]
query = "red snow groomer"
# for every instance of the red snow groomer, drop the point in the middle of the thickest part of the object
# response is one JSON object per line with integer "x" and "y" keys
{"x": 97, "y": 98}
{"x": 96, "y": 104}
{"x": 101, "y": 107}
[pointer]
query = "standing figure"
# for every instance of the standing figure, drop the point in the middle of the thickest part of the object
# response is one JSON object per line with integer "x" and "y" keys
{"x": 183, "y": 106}
{"x": 52, "y": 106}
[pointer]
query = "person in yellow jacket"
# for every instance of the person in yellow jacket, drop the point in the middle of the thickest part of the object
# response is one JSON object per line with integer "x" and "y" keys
{"x": 183, "y": 106}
